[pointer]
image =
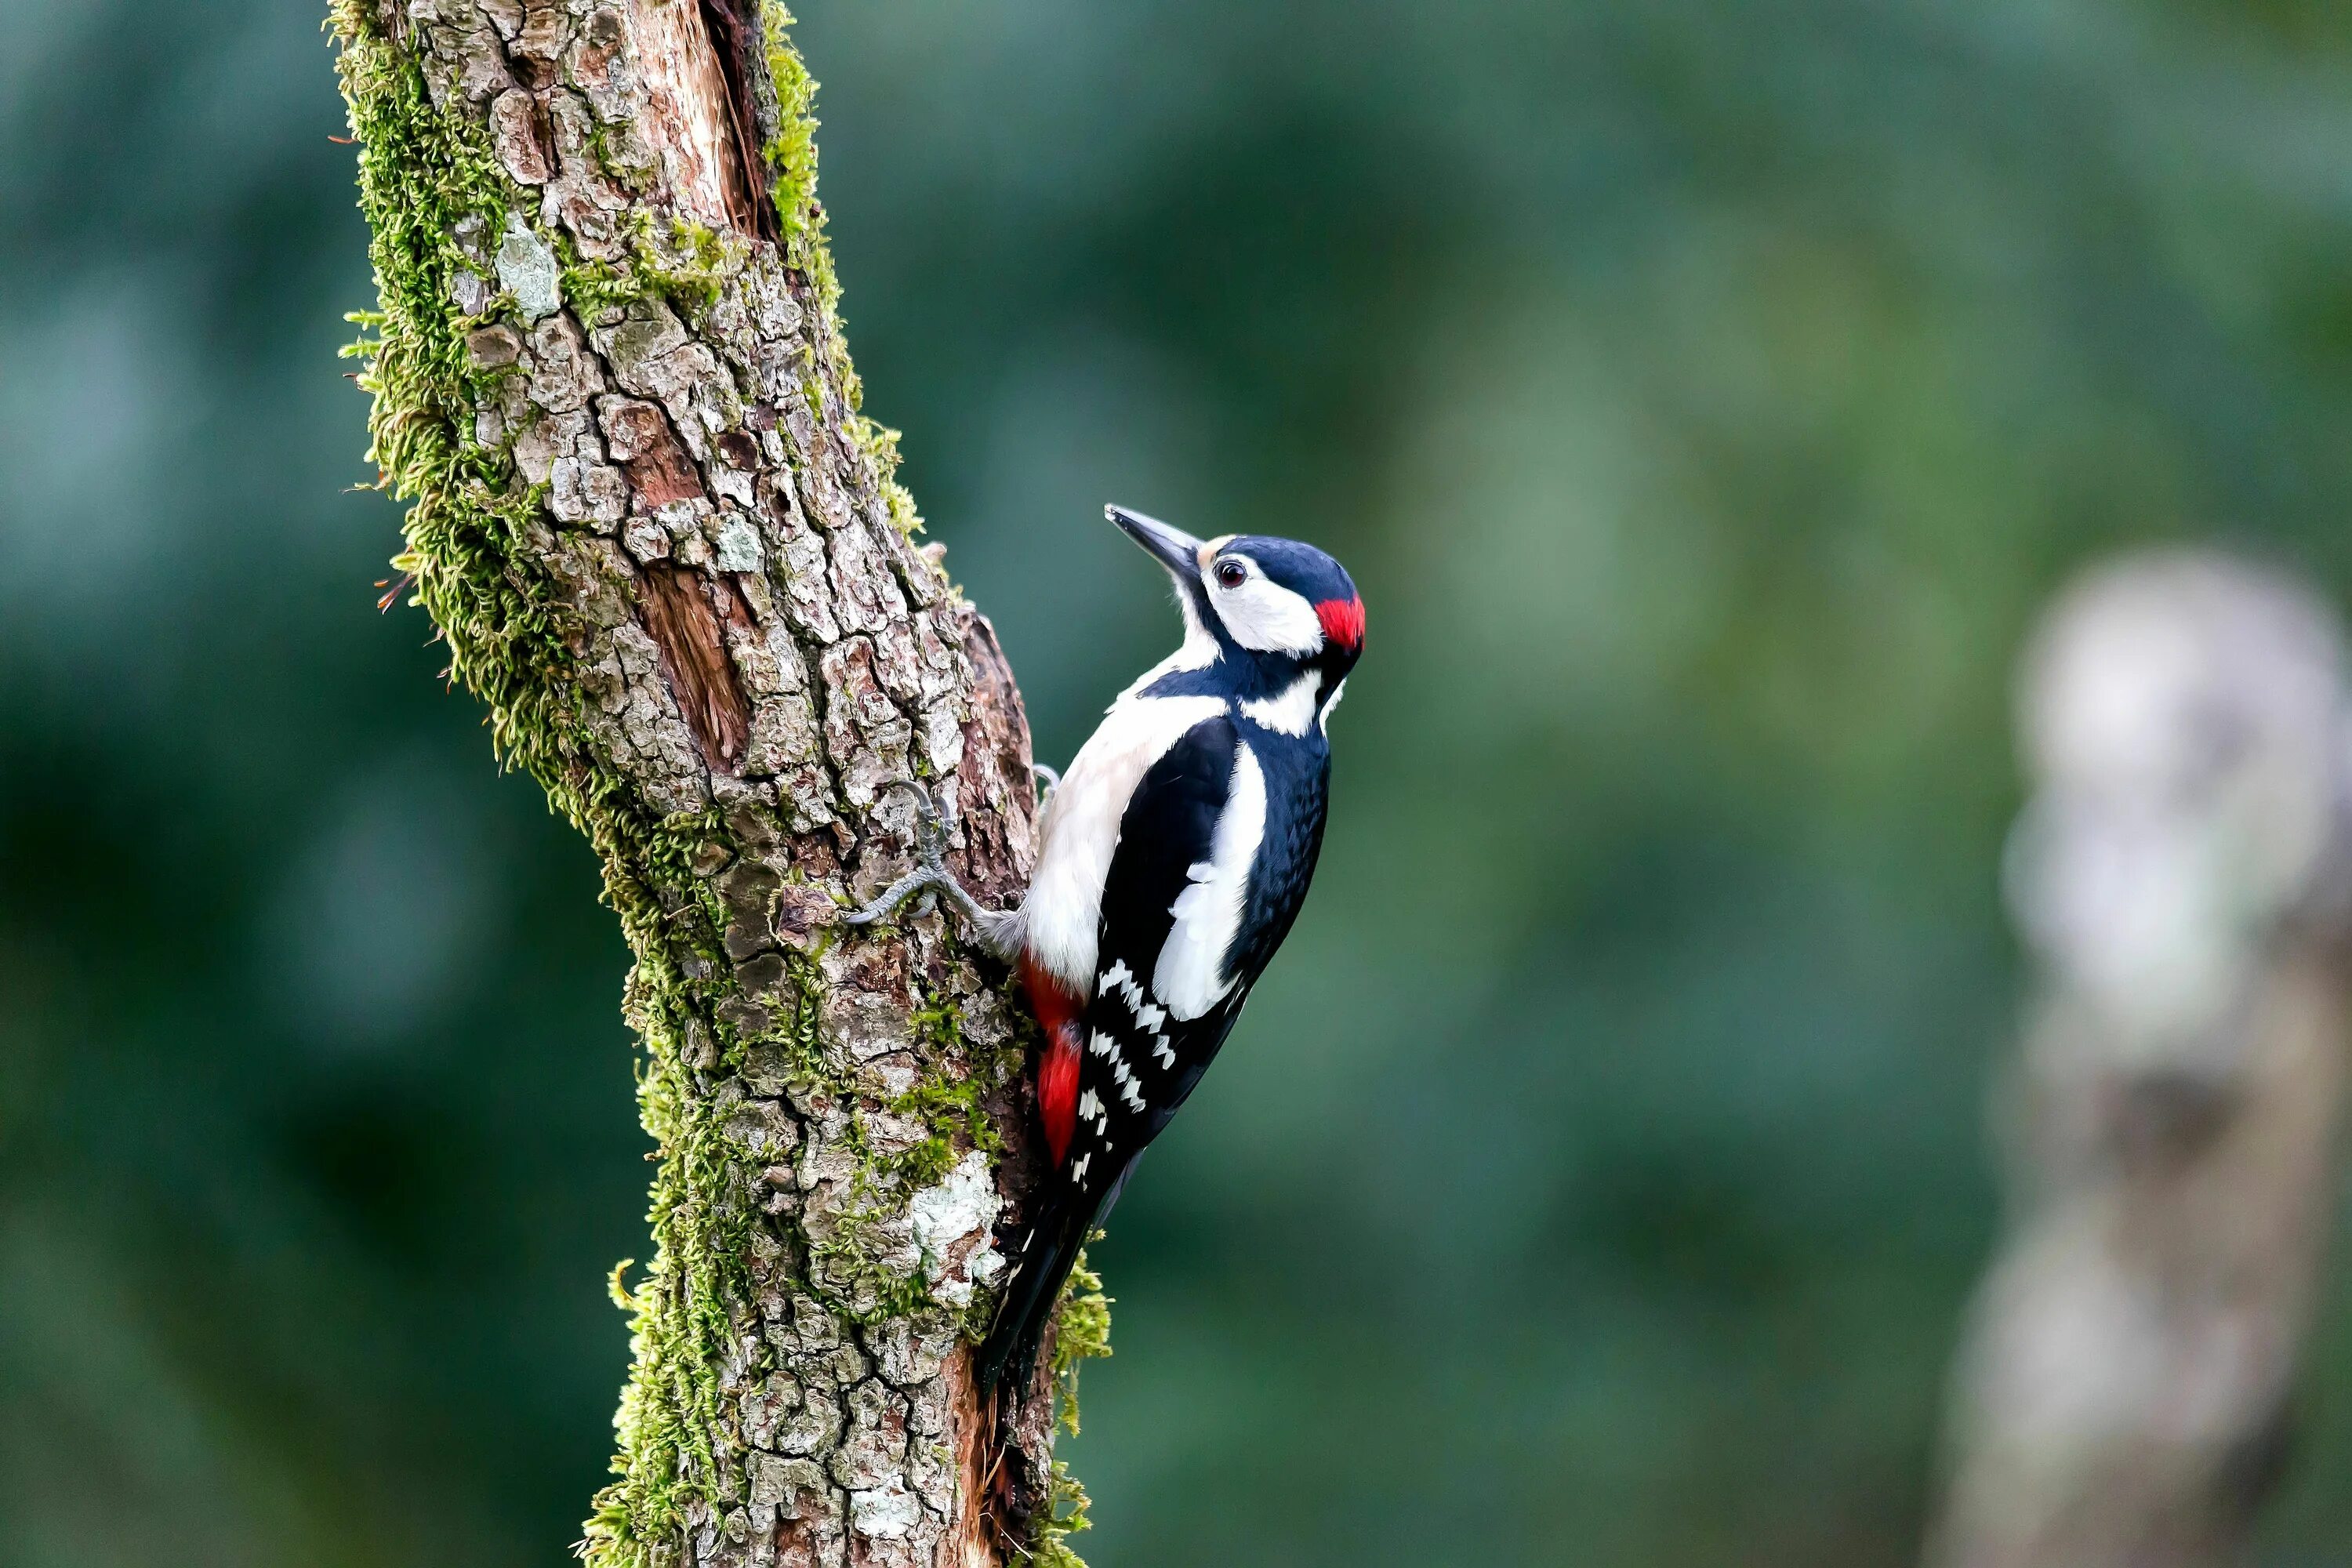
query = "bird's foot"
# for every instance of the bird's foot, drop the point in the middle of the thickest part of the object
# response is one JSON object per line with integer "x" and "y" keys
{"x": 931, "y": 878}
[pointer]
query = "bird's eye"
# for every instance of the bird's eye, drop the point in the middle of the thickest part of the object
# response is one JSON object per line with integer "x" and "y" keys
{"x": 1232, "y": 573}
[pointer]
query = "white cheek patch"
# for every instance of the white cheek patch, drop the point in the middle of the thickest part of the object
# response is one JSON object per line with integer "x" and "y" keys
{"x": 1266, "y": 617}
{"x": 1190, "y": 977}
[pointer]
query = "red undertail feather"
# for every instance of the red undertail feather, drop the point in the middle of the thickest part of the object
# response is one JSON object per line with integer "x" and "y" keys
{"x": 1057, "y": 1071}
{"x": 1343, "y": 621}
{"x": 1058, "y": 1091}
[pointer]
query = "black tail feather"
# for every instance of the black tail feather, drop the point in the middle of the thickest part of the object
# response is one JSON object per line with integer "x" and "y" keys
{"x": 1043, "y": 1265}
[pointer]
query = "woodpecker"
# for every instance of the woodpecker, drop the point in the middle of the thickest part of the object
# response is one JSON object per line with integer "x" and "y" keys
{"x": 1176, "y": 853}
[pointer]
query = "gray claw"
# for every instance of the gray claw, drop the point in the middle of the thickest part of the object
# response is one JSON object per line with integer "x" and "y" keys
{"x": 930, "y": 877}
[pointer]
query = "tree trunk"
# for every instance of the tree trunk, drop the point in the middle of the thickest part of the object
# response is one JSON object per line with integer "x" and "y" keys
{"x": 2180, "y": 878}
{"x": 665, "y": 547}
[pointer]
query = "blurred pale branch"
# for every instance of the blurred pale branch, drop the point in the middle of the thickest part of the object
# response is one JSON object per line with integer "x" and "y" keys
{"x": 2179, "y": 878}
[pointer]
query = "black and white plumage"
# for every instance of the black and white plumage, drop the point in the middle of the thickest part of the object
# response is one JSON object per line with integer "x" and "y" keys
{"x": 1177, "y": 851}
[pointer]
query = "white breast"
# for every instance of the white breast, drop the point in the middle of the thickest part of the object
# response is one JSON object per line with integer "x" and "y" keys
{"x": 1190, "y": 978}
{"x": 1062, "y": 916}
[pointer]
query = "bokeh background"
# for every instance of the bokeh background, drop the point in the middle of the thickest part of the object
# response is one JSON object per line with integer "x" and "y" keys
{"x": 1706, "y": 395}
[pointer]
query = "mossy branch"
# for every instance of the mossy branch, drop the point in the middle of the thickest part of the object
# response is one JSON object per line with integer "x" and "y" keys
{"x": 667, "y": 550}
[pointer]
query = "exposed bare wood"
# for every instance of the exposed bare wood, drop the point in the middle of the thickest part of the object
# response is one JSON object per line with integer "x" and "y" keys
{"x": 691, "y": 114}
{"x": 678, "y": 613}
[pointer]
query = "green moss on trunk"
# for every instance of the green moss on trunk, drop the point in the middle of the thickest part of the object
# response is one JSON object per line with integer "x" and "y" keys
{"x": 478, "y": 549}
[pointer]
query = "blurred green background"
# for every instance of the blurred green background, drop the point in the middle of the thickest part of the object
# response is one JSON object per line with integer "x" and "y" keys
{"x": 1705, "y": 394}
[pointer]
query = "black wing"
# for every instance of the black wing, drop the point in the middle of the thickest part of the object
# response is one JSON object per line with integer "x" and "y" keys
{"x": 1137, "y": 1063}
{"x": 1140, "y": 1063}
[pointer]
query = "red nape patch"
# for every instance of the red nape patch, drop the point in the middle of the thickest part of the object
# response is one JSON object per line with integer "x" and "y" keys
{"x": 1057, "y": 1069}
{"x": 1343, "y": 621}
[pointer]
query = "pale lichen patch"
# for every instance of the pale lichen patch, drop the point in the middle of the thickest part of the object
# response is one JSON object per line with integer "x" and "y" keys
{"x": 954, "y": 1228}
{"x": 528, "y": 270}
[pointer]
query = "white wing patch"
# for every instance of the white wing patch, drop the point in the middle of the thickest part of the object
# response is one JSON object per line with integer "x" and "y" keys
{"x": 1291, "y": 711}
{"x": 1062, "y": 916}
{"x": 1190, "y": 977}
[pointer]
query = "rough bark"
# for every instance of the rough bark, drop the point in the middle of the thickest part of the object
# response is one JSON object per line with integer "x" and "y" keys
{"x": 666, "y": 548}
{"x": 2180, "y": 879}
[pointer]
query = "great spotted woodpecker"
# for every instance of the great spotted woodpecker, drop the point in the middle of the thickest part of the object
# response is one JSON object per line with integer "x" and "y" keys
{"x": 1176, "y": 853}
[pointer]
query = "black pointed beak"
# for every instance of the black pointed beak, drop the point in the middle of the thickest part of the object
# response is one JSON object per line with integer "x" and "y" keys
{"x": 1171, "y": 547}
